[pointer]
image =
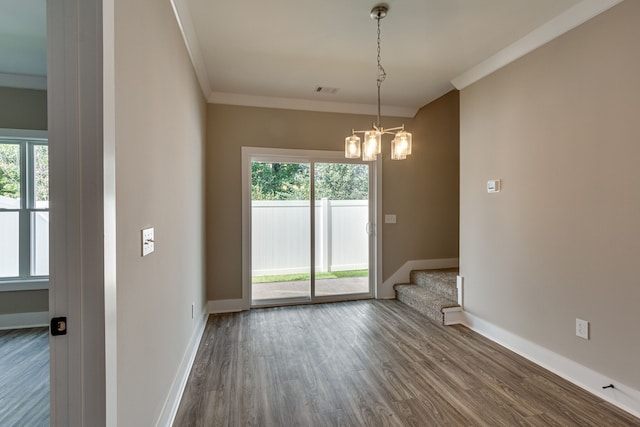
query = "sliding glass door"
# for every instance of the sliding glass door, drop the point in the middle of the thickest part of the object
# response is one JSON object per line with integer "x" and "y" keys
{"x": 280, "y": 231}
{"x": 311, "y": 236}
{"x": 341, "y": 228}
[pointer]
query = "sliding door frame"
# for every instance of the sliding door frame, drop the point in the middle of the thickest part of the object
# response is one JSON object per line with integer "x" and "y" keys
{"x": 251, "y": 154}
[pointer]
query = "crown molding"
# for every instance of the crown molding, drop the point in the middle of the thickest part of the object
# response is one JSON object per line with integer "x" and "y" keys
{"x": 571, "y": 18}
{"x": 308, "y": 105}
{"x": 189, "y": 35}
{"x": 183, "y": 16}
{"x": 23, "y": 81}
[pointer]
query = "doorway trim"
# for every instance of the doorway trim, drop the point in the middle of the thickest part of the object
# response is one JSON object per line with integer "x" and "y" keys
{"x": 81, "y": 126}
{"x": 255, "y": 153}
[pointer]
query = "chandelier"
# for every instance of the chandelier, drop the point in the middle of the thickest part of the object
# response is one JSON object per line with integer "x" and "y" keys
{"x": 372, "y": 145}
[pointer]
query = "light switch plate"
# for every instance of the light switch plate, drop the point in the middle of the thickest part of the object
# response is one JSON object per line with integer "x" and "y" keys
{"x": 147, "y": 241}
{"x": 390, "y": 219}
{"x": 493, "y": 186}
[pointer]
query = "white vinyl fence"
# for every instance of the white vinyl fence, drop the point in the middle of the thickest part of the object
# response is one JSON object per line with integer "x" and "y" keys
{"x": 280, "y": 236}
{"x": 10, "y": 241}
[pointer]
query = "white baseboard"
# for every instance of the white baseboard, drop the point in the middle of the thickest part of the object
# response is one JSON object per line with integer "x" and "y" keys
{"x": 24, "y": 320}
{"x": 402, "y": 274}
{"x": 621, "y": 396}
{"x": 227, "y": 306}
{"x": 170, "y": 408}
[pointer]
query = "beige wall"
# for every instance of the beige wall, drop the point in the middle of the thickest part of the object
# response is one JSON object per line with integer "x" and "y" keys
{"x": 12, "y": 302}
{"x": 230, "y": 127}
{"x": 24, "y": 302}
{"x": 160, "y": 118}
{"x": 23, "y": 109}
{"x": 423, "y": 190}
{"x": 561, "y": 241}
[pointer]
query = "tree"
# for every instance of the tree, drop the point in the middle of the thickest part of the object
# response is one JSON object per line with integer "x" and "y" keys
{"x": 279, "y": 181}
{"x": 290, "y": 181}
{"x": 337, "y": 181}
{"x": 10, "y": 170}
{"x": 41, "y": 171}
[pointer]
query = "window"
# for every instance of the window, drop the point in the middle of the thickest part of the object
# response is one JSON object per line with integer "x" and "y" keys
{"x": 24, "y": 209}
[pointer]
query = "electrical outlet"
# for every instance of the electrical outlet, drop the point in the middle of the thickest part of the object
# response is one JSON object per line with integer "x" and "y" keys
{"x": 582, "y": 329}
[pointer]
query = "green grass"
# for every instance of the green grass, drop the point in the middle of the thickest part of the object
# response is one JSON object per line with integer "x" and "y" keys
{"x": 296, "y": 277}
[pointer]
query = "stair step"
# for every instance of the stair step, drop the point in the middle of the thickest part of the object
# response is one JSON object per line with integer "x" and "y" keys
{"x": 427, "y": 302}
{"x": 442, "y": 282}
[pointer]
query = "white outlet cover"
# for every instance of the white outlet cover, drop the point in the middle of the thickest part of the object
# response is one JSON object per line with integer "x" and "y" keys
{"x": 390, "y": 219}
{"x": 582, "y": 329}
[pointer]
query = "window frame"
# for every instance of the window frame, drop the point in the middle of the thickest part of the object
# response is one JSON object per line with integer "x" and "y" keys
{"x": 26, "y": 140}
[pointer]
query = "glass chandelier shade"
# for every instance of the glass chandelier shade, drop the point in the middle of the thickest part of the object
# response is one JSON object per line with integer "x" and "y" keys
{"x": 372, "y": 144}
{"x": 352, "y": 147}
{"x": 401, "y": 146}
{"x": 374, "y": 138}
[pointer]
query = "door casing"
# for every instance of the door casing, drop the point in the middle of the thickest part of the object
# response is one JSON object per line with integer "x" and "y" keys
{"x": 250, "y": 154}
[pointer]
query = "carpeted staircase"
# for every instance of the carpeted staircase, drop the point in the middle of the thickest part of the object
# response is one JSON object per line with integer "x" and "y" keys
{"x": 434, "y": 293}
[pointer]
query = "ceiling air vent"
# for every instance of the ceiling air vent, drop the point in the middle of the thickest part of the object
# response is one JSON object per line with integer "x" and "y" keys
{"x": 325, "y": 89}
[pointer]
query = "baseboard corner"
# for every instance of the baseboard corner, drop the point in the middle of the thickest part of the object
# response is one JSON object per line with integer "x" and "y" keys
{"x": 227, "y": 306}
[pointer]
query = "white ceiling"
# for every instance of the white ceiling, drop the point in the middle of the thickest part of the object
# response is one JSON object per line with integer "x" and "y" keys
{"x": 275, "y": 53}
{"x": 23, "y": 43}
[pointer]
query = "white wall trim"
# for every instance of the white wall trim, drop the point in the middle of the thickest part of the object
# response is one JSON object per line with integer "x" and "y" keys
{"x": 460, "y": 289}
{"x": 109, "y": 210}
{"x": 308, "y": 105}
{"x": 82, "y": 276}
{"x": 378, "y": 245}
{"x": 171, "y": 405}
{"x": 227, "y": 306}
{"x": 621, "y": 396}
{"x": 559, "y": 25}
{"x": 24, "y": 320}
{"x": 402, "y": 274}
{"x": 23, "y": 133}
{"x": 247, "y": 154}
{"x": 24, "y": 285}
{"x": 23, "y": 81}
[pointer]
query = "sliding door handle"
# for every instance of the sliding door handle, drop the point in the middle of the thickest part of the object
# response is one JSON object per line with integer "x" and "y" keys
{"x": 370, "y": 229}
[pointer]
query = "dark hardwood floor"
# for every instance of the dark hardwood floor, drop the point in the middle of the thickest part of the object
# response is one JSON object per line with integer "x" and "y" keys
{"x": 24, "y": 377}
{"x": 371, "y": 363}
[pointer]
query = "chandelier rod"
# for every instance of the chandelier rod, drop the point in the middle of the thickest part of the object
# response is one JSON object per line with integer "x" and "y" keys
{"x": 380, "y": 13}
